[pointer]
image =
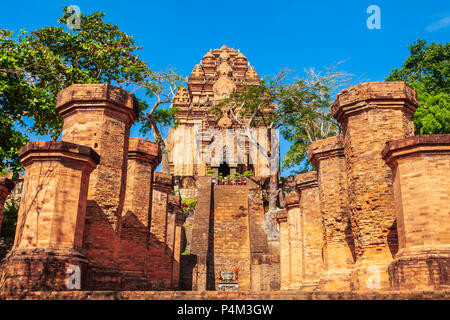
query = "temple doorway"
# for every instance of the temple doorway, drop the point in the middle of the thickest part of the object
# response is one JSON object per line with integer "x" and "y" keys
{"x": 224, "y": 169}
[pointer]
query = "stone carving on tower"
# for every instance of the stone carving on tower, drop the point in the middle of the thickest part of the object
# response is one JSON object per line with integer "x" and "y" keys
{"x": 220, "y": 73}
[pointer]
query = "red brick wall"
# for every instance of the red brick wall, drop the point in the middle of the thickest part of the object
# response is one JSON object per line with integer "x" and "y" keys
{"x": 312, "y": 228}
{"x": 295, "y": 240}
{"x": 422, "y": 202}
{"x": 201, "y": 234}
{"x": 51, "y": 217}
{"x": 159, "y": 270}
{"x": 328, "y": 158}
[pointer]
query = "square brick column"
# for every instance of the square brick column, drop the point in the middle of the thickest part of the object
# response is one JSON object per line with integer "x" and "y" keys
{"x": 294, "y": 223}
{"x": 100, "y": 116}
{"x": 312, "y": 229}
{"x": 285, "y": 261}
{"x": 327, "y": 156}
{"x": 370, "y": 115}
{"x": 143, "y": 157}
{"x": 200, "y": 244}
{"x": 176, "y": 257}
{"x": 421, "y": 167}
{"x": 174, "y": 204}
{"x": 6, "y": 186}
{"x": 50, "y": 226}
{"x": 159, "y": 270}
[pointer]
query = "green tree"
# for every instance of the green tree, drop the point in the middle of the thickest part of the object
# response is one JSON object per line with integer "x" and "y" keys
{"x": 427, "y": 70}
{"x": 35, "y": 66}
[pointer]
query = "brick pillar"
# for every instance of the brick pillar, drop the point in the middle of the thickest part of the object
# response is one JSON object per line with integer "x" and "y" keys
{"x": 6, "y": 186}
{"x": 294, "y": 223}
{"x": 143, "y": 157}
{"x": 179, "y": 221}
{"x": 174, "y": 204}
{"x": 328, "y": 158}
{"x": 370, "y": 115}
{"x": 100, "y": 116}
{"x": 285, "y": 261}
{"x": 421, "y": 166}
{"x": 50, "y": 224}
{"x": 159, "y": 269}
{"x": 312, "y": 229}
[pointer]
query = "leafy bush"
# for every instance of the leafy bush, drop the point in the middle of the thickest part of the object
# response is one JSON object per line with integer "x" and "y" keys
{"x": 10, "y": 219}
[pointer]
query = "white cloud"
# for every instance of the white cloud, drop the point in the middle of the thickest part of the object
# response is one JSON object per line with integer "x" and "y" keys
{"x": 440, "y": 24}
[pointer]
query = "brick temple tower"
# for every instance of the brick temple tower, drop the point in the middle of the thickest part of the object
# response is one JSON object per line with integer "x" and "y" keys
{"x": 220, "y": 73}
{"x": 228, "y": 227}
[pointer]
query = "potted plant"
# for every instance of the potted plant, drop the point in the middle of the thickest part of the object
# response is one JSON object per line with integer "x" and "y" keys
{"x": 237, "y": 178}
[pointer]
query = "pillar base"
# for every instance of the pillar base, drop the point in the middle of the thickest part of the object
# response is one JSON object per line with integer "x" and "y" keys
{"x": 422, "y": 270}
{"x": 25, "y": 270}
{"x": 370, "y": 276}
{"x": 336, "y": 280}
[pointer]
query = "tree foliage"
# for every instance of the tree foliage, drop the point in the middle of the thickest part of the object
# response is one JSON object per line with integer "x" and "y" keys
{"x": 427, "y": 70}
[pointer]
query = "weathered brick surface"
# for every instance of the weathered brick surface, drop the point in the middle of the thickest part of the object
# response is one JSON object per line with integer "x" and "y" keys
{"x": 367, "y": 184}
{"x": 237, "y": 295}
{"x": 265, "y": 255}
{"x": 6, "y": 186}
{"x": 327, "y": 156}
{"x": 143, "y": 157}
{"x": 51, "y": 217}
{"x": 231, "y": 246}
{"x": 173, "y": 213}
{"x": 285, "y": 259}
{"x": 423, "y": 259}
{"x": 372, "y": 114}
{"x": 294, "y": 224}
{"x": 100, "y": 116}
{"x": 176, "y": 260}
{"x": 159, "y": 271}
{"x": 265, "y": 274}
{"x": 312, "y": 229}
{"x": 188, "y": 264}
{"x": 200, "y": 233}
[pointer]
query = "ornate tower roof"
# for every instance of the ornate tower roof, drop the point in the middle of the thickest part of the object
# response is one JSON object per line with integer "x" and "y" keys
{"x": 220, "y": 73}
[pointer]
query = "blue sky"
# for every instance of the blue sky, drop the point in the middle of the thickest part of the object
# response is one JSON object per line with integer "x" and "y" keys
{"x": 272, "y": 34}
